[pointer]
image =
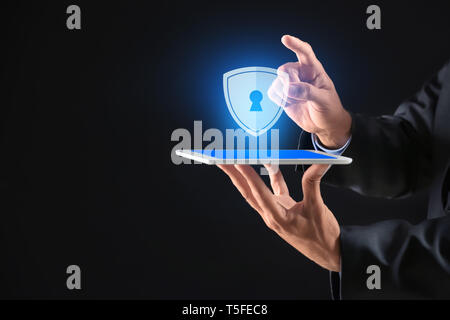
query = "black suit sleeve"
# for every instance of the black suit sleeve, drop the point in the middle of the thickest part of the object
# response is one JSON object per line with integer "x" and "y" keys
{"x": 414, "y": 260}
{"x": 392, "y": 158}
{"x": 392, "y": 154}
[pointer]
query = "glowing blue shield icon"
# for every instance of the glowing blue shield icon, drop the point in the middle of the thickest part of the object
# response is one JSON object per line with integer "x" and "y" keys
{"x": 245, "y": 92}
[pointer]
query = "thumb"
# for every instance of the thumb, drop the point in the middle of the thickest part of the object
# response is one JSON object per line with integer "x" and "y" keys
{"x": 311, "y": 182}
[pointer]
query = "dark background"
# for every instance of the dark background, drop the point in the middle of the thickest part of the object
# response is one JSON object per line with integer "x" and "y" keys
{"x": 86, "y": 119}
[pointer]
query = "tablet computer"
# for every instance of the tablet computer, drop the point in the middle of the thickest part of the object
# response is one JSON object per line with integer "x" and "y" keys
{"x": 262, "y": 157}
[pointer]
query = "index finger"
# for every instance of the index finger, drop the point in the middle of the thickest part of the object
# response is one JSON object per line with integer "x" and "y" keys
{"x": 302, "y": 50}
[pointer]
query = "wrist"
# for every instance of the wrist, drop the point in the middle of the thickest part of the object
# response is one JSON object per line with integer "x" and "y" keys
{"x": 335, "y": 254}
{"x": 335, "y": 139}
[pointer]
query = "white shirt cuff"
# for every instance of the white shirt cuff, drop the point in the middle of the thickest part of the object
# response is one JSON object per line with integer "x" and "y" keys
{"x": 335, "y": 152}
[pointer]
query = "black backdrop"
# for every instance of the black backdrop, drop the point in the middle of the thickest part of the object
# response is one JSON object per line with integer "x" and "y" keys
{"x": 86, "y": 121}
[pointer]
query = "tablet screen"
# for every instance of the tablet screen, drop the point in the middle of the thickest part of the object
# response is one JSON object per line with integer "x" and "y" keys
{"x": 263, "y": 154}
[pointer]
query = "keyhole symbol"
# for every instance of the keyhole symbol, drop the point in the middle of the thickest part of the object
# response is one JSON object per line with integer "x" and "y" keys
{"x": 256, "y": 97}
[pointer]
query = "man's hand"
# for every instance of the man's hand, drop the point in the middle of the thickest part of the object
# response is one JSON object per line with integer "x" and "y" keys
{"x": 312, "y": 101}
{"x": 309, "y": 226}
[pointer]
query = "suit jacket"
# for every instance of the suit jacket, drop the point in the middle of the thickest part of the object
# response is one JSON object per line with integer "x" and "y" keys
{"x": 395, "y": 156}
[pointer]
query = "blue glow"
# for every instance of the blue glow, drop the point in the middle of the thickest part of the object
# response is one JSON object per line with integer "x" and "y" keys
{"x": 263, "y": 154}
{"x": 205, "y": 56}
{"x": 199, "y": 85}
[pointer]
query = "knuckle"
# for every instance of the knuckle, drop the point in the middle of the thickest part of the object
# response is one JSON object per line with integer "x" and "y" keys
{"x": 320, "y": 65}
{"x": 273, "y": 225}
{"x": 269, "y": 225}
{"x": 282, "y": 69}
{"x": 290, "y": 219}
{"x": 310, "y": 181}
{"x": 306, "y": 91}
{"x": 246, "y": 196}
